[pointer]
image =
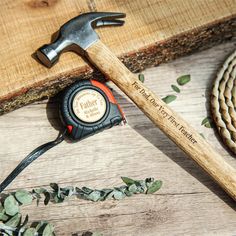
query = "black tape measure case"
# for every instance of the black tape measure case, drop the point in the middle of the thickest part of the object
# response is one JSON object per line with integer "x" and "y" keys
{"x": 88, "y": 107}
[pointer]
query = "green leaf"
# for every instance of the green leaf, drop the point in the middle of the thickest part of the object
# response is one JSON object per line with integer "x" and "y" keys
{"x": 169, "y": 98}
{"x": 110, "y": 195}
{"x": 14, "y": 221}
{"x": 24, "y": 222}
{"x": 104, "y": 193}
{"x": 202, "y": 135}
{"x": 121, "y": 188}
{"x": 87, "y": 190}
{"x": 94, "y": 196}
{"x": 24, "y": 197}
{"x": 1, "y": 208}
{"x": 118, "y": 195}
{"x": 68, "y": 191}
{"x": 30, "y": 232}
{"x": 208, "y": 125}
{"x": 39, "y": 190}
{"x": 207, "y": 122}
{"x": 128, "y": 181}
{"x": 3, "y": 217}
{"x": 48, "y": 230}
{"x": 47, "y": 198}
{"x": 5, "y": 230}
{"x": 54, "y": 186}
{"x": 175, "y": 88}
{"x": 133, "y": 188}
{"x": 141, "y": 77}
{"x": 156, "y": 185}
{"x": 58, "y": 199}
{"x": 11, "y": 205}
{"x": 184, "y": 79}
{"x": 148, "y": 182}
{"x": 128, "y": 193}
{"x": 40, "y": 226}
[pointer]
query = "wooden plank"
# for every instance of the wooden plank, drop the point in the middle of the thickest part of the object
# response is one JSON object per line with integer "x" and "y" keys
{"x": 155, "y": 31}
{"x": 189, "y": 203}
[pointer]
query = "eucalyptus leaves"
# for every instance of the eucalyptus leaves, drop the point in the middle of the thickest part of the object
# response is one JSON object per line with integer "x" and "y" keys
{"x": 141, "y": 77}
{"x": 182, "y": 80}
{"x": 207, "y": 122}
{"x": 11, "y": 222}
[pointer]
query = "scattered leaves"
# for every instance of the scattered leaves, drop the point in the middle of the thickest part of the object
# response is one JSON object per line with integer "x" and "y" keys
{"x": 169, "y": 98}
{"x": 204, "y": 121}
{"x": 184, "y": 79}
{"x": 202, "y": 135}
{"x": 208, "y": 125}
{"x": 207, "y": 122}
{"x": 175, "y": 88}
{"x": 141, "y": 77}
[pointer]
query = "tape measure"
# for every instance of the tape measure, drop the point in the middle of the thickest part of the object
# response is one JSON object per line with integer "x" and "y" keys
{"x": 88, "y": 107}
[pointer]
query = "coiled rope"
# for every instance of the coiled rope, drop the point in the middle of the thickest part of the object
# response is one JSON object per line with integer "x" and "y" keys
{"x": 223, "y": 102}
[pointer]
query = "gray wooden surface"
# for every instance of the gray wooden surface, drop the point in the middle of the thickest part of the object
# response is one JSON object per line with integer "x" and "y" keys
{"x": 189, "y": 203}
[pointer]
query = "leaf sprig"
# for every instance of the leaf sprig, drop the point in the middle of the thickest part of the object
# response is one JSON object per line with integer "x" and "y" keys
{"x": 11, "y": 222}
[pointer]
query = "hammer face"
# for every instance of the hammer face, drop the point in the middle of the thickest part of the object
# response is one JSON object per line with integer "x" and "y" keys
{"x": 47, "y": 55}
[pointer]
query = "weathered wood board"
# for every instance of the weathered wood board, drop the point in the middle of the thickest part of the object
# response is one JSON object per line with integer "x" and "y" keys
{"x": 155, "y": 31}
{"x": 189, "y": 203}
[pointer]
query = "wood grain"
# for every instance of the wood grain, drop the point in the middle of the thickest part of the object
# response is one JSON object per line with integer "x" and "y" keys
{"x": 155, "y": 32}
{"x": 189, "y": 203}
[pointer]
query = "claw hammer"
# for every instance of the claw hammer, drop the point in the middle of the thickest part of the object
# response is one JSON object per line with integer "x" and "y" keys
{"x": 78, "y": 35}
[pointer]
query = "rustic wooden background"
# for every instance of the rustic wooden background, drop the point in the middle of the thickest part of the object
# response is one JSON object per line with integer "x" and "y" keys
{"x": 189, "y": 203}
{"x": 155, "y": 31}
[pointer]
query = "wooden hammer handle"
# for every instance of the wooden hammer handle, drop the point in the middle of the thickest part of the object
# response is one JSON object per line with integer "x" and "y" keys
{"x": 164, "y": 117}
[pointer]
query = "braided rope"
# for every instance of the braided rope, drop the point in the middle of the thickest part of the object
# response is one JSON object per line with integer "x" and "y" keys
{"x": 223, "y": 102}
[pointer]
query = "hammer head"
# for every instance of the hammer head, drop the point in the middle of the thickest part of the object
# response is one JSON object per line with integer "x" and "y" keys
{"x": 77, "y": 35}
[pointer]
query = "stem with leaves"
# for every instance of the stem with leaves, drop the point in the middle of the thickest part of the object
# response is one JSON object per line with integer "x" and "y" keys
{"x": 11, "y": 222}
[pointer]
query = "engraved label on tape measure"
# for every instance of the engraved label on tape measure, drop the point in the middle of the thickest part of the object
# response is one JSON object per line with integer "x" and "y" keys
{"x": 89, "y": 105}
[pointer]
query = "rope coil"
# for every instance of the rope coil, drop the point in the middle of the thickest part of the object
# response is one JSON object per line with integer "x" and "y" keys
{"x": 223, "y": 102}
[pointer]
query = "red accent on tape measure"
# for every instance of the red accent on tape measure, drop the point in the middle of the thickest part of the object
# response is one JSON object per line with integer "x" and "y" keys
{"x": 109, "y": 94}
{"x": 69, "y": 128}
{"x": 105, "y": 89}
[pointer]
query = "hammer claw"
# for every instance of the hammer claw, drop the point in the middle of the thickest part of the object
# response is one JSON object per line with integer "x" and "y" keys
{"x": 109, "y": 23}
{"x": 107, "y": 15}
